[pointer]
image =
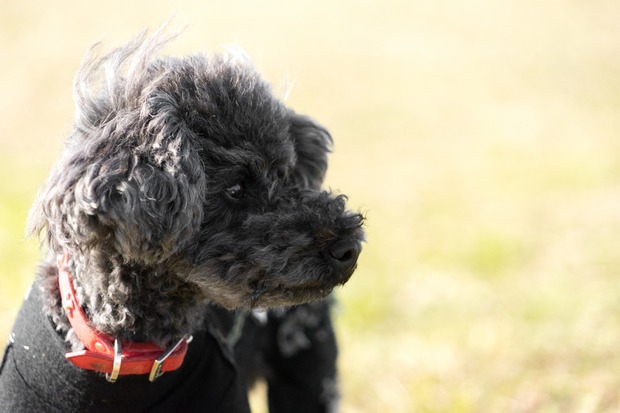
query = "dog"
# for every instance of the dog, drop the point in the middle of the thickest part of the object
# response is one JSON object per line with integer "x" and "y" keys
{"x": 192, "y": 250}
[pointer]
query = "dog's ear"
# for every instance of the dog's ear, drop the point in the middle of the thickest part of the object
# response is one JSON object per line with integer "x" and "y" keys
{"x": 143, "y": 199}
{"x": 312, "y": 144}
{"x": 130, "y": 180}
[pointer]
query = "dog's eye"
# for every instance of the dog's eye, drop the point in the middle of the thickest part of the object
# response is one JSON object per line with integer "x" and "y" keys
{"x": 235, "y": 192}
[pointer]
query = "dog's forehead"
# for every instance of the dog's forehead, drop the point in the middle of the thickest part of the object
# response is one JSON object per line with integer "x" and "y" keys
{"x": 261, "y": 157}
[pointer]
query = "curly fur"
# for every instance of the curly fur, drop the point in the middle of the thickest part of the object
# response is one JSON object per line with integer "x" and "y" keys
{"x": 185, "y": 182}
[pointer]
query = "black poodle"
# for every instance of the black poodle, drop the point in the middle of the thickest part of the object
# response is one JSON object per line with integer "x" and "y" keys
{"x": 191, "y": 247}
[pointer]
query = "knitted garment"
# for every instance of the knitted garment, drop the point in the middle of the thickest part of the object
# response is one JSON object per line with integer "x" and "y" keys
{"x": 36, "y": 377}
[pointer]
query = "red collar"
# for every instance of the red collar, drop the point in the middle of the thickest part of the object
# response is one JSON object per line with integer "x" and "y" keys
{"x": 112, "y": 356}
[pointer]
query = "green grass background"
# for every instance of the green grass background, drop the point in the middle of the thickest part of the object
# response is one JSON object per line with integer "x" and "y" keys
{"x": 482, "y": 140}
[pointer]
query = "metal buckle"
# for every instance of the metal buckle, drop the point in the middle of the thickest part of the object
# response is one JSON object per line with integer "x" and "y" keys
{"x": 158, "y": 364}
{"x": 116, "y": 367}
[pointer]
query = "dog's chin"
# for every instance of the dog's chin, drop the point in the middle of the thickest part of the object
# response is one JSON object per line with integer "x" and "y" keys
{"x": 259, "y": 290}
{"x": 288, "y": 296}
{"x": 274, "y": 294}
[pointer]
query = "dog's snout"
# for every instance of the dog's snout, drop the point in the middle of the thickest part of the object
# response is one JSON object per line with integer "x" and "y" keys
{"x": 343, "y": 253}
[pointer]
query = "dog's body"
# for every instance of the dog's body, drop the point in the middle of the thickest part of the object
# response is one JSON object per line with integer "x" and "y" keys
{"x": 185, "y": 191}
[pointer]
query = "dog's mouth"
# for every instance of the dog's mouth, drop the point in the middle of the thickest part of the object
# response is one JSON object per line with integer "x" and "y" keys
{"x": 274, "y": 291}
{"x": 238, "y": 285}
{"x": 313, "y": 282}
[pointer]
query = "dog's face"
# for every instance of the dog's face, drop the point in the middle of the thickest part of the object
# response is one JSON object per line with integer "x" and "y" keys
{"x": 190, "y": 167}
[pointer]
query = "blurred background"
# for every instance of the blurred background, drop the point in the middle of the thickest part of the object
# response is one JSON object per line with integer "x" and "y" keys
{"x": 480, "y": 138}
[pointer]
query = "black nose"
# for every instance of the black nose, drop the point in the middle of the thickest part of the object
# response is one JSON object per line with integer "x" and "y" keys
{"x": 343, "y": 253}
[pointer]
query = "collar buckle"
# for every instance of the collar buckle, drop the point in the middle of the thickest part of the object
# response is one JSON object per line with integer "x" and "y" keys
{"x": 158, "y": 364}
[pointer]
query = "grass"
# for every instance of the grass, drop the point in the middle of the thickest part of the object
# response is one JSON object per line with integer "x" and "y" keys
{"x": 481, "y": 140}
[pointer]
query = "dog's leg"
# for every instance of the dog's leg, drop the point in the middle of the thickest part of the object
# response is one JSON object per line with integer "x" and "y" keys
{"x": 303, "y": 361}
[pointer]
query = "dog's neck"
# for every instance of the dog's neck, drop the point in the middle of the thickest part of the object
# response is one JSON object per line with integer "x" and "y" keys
{"x": 126, "y": 301}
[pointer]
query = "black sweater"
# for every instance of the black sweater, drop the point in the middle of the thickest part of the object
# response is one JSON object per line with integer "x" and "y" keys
{"x": 36, "y": 377}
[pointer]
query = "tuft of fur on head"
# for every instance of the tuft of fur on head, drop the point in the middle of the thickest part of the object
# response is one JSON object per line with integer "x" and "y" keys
{"x": 186, "y": 182}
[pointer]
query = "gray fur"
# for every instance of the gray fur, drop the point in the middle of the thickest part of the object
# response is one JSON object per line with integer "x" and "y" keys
{"x": 185, "y": 182}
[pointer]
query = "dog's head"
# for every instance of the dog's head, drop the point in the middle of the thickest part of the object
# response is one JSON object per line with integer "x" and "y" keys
{"x": 191, "y": 167}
